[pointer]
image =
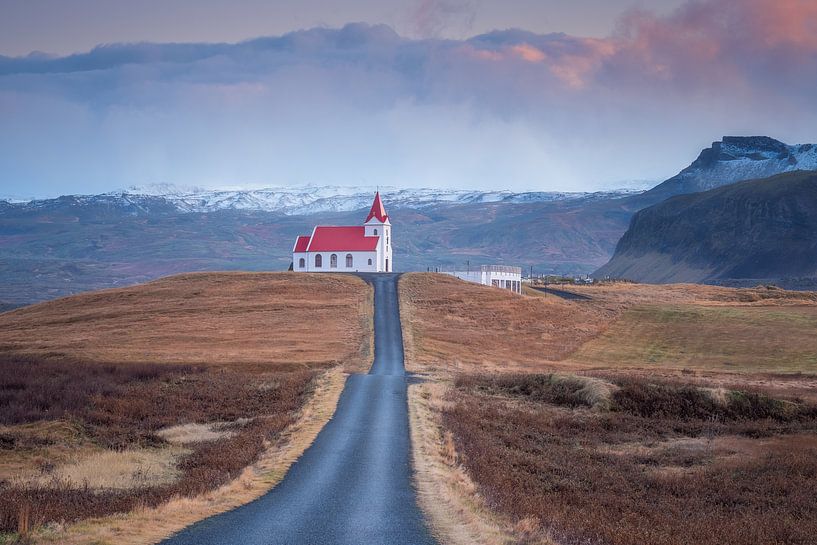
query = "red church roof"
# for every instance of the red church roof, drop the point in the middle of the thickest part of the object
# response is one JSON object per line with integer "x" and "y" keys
{"x": 342, "y": 239}
{"x": 378, "y": 210}
{"x": 301, "y": 244}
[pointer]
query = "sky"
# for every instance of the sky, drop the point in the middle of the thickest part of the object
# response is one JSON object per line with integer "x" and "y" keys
{"x": 99, "y": 95}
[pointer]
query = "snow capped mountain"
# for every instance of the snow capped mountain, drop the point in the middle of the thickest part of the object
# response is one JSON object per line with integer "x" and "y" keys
{"x": 738, "y": 158}
{"x": 314, "y": 199}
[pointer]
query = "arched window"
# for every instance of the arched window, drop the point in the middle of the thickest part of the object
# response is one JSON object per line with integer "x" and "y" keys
{"x": 333, "y": 261}
{"x": 318, "y": 261}
{"x": 301, "y": 263}
{"x": 375, "y": 232}
{"x": 370, "y": 261}
{"x": 348, "y": 261}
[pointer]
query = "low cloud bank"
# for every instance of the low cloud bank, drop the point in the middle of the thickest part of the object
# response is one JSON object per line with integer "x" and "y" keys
{"x": 359, "y": 104}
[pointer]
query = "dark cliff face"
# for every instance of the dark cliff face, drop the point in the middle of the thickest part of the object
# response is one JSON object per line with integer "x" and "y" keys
{"x": 757, "y": 229}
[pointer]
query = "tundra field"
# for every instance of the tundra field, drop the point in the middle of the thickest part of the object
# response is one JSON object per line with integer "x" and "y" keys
{"x": 640, "y": 414}
{"x": 131, "y": 398}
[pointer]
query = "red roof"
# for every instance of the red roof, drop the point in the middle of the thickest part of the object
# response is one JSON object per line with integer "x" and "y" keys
{"x": 301, "y": 244}
{"x": 342, "y": 239}
{"x": 378, "y": 210}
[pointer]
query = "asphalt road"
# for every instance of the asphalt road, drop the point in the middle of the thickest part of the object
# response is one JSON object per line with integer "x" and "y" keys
{"x": 353, "y": 485}
{"x": 564, "y": 294}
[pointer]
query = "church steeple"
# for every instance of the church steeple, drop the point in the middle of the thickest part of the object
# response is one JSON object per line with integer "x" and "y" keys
{"x": 378, "y": 210}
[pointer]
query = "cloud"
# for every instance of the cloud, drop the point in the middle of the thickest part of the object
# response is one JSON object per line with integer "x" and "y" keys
{"x": 430, "y": 18}
{"x": 508, "y": 108}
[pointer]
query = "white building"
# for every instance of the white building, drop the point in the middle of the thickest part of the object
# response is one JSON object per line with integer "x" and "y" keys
{"x": 498, "y": 276}
{"x": 365, "y": 248}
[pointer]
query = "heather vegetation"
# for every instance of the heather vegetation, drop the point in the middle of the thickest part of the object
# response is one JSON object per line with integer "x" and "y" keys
{"x": 626, "y": 461}
{"x": 119, "y": 407}
{"x": 131, "y": 397}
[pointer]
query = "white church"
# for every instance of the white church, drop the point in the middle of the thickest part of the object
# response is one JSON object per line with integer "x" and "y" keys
{"x": 365, "y": 248}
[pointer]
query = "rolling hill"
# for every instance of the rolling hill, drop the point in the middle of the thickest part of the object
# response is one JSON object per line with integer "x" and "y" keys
{"x": 762, "y": 229}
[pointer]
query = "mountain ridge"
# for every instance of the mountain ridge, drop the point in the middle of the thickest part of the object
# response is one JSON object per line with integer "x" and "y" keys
{"x": 756, "y": 229}
{"x": 737, "y": 158}
{"x": 311, "y": 199}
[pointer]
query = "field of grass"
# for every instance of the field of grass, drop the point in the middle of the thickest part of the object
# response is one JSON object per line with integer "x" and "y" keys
{"x": 637, "y": 461}
{"x": 454, "y": 326}
{"x": 451, "y": 325}
{"x": 668, "y": 415}
{"x": 131, "y": 397}
{"x": 66, "y": 426}
{"x": 779, "y": 339}
{"x": 202, "y": 318}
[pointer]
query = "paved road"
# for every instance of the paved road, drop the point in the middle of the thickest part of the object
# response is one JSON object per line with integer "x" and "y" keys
{"x": 564, "y": 294}
{"x": 353, "y": 485}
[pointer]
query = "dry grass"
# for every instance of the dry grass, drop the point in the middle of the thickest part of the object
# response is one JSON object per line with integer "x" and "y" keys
{"x": 667, "y": 464}
{"x": 117, "y": 470}
{"x": 629, "y": 294}
{"x": 151, "y": 525}
{"x": 283, "y": 319}
{"x": 450, "y": 324}
{"x": 98, "y": 390}
{"x": 588, "y": 453}
{"x": 672, "y": 329}
{"x": 183, "y": 434}
{"x": 447, "y": 495}
{"x": 121, "y": 408}
{"x": 730, "y": 338}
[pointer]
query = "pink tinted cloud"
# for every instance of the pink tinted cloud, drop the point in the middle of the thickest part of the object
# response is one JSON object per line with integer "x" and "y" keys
{"x": 705, "y": 45}
{"x": 528, "y": 53}
{"x": 745, "y": 42}
{"x": 791, "y": 24}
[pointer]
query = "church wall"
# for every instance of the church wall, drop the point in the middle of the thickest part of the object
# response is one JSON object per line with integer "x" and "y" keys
{"x": 360, "y": 262}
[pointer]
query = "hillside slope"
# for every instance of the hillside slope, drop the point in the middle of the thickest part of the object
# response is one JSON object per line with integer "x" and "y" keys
{"x": 255, "y": 319}
{"x": 150, "y": 407}
{"x": 762, "y": 229}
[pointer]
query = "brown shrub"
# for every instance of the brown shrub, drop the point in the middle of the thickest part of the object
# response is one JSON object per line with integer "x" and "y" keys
{"x": 656, "y": 468}
{"x": 123, "y": 406}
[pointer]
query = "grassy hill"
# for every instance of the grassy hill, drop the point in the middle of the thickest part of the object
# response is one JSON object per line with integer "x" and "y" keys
{"x": 463, "y": 327}
{"x": 166, "y": 392}
{"x": 669, "y": 414}
{"x": 281, "y": 320}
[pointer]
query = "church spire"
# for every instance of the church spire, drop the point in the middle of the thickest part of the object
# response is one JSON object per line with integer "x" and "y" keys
{"x": 378, "y": 210}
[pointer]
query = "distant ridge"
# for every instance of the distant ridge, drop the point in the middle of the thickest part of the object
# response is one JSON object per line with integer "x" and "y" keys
{"x": 305, "y": 200}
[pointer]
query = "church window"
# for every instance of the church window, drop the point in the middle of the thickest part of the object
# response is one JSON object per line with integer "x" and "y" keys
{"x": 349, "y": 262}
{"x": 333, "y": 261}
{"x": 375, "y": 232}
{"x": 301, "y": 263}
{"x": 370, "y": 261}
{"x": 318, "y": 261}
